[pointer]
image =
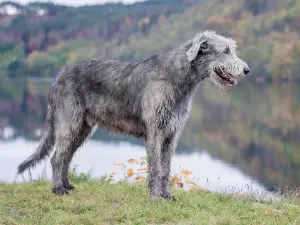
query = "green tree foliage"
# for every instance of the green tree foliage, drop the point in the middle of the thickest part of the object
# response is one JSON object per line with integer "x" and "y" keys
{"x": 42, "y": 63}
{"x": 64, "y": 35}
{"x": 17, "y": 68}
{"x": 266, "y": 31}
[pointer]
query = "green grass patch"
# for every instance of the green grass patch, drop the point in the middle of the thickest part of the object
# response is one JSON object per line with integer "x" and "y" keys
{"x": 98, "y": 202}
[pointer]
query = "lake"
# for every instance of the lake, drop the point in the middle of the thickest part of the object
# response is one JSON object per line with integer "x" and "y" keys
{"x": 99, "y": 158}
{"x": 246, "y": 135}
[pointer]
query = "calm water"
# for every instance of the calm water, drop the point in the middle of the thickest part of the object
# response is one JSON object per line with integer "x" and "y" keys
{"x": 251, "y": 135}
{"x": 99, "y": 158}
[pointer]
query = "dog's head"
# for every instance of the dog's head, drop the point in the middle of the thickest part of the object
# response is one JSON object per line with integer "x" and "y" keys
{"x": 215, "y": 57}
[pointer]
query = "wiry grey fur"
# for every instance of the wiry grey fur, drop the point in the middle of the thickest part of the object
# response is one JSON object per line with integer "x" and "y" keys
{"x": 148, "y": 99}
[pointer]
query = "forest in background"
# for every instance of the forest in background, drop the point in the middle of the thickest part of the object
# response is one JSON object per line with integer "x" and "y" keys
{"x": 39, "y": 38}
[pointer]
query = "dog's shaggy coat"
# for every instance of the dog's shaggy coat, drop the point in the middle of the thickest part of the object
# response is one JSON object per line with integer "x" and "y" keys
{"x": 148, "y": 99}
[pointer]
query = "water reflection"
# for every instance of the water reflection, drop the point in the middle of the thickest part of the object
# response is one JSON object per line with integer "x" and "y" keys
{"x": 254, "y": 127}
{"x": 99, "y": 157}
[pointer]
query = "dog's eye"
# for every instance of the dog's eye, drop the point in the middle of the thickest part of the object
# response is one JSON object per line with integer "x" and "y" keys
{"x": 227, "y": 50}
{"x": 204, "y": 45}
{"x": 204, "y": 48}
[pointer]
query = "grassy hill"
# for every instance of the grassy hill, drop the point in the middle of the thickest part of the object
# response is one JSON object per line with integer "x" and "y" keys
{"x": 96, "y": 202}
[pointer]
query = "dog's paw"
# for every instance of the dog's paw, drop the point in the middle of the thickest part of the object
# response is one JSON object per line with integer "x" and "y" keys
{"x": 69, "y": 187}
{"x": 169, "y": 197}
{"x": 60, "y": 191}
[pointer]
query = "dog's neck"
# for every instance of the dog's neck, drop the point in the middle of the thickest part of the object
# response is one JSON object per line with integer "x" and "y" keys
{"x": 184, "y": 74}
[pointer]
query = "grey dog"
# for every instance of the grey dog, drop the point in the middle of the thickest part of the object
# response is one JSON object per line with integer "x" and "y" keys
{"x": 148, "y": 99}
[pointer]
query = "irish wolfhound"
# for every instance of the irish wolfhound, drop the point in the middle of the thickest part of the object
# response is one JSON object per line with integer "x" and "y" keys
{"x": 148, "y": 99}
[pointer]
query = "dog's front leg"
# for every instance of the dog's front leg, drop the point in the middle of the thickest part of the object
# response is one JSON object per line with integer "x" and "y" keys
{"x": 154, "y": 145}
{"x": 168, "y": 149}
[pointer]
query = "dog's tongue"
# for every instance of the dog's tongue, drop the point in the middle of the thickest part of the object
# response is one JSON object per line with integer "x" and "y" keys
{"x": 232, "y": 80}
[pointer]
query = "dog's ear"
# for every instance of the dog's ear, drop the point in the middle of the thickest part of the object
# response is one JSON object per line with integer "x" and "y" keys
{"x": 198, "y": 45}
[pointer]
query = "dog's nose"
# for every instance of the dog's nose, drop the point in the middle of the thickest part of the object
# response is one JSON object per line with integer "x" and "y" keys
{"x": 246, "y": 70}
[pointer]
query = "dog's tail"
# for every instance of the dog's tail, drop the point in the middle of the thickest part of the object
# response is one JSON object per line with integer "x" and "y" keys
{"x": 45, "y": 147}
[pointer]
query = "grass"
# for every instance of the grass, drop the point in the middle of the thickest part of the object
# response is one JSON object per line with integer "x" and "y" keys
{"x": 99, "y": 202}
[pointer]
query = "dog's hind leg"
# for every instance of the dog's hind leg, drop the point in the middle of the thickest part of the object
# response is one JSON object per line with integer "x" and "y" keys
{"x": 77, "y": 142}
{"x": 68, "y": 141}
{"x": 63, "y": 146}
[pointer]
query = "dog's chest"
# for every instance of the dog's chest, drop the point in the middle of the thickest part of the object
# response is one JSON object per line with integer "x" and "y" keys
{"x": 179, "y": 115}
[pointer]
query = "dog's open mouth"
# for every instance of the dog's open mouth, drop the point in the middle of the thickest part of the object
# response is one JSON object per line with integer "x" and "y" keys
{"x": 225, "y": 76}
